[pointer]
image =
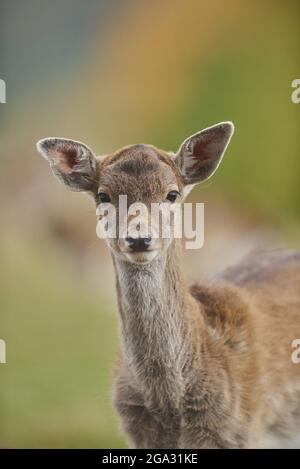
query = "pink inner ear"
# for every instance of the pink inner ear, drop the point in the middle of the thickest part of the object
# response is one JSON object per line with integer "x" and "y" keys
{"x": 66, "y": 160}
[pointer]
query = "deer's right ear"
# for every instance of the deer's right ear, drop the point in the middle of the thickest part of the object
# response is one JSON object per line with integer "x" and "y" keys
{"x": 72, "y": 162}
{"x": 200, "y": 155}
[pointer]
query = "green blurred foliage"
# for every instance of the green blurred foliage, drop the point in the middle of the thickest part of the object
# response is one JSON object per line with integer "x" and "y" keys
{"x": 55, "y": 387}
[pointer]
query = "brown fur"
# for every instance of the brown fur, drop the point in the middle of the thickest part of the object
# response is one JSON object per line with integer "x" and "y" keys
{"x": 236, "y": 385}
{"x": 206, "y": 367}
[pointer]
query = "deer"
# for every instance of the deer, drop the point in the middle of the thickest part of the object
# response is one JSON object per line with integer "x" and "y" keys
{"x": 207, "y": 366}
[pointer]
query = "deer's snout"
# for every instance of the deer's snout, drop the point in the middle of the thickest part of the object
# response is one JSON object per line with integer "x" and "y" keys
{"x": 138, "y": 244}
{"x": 140, "y": 249}
{"x": 138, "y": 240}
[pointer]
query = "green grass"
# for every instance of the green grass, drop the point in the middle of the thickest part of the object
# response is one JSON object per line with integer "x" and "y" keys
{"x": 55, "y": 390}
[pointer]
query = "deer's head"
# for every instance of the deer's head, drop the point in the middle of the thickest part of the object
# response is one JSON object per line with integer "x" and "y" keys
{"x": 145, "y": 175}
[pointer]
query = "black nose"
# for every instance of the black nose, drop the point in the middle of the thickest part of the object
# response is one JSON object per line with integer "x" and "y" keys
{"x": 139, "y": 244}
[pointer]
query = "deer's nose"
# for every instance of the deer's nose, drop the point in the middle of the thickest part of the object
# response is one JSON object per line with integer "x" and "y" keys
{"x": 139, "y": 244}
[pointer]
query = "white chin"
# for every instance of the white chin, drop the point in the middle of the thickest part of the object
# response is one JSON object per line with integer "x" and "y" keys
{"x": 141, "y": 257}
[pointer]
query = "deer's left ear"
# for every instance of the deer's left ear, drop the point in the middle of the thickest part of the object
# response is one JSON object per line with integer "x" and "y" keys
{"x": 200, "y": 155}
{"x": 72, "y": 162}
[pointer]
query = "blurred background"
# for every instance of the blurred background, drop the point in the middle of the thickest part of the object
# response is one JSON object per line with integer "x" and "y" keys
{"x": 110, "y": 74}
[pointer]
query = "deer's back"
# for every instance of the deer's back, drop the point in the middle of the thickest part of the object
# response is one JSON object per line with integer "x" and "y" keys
{"x": 271, "y": 282}
{"x": 256, "y": 305}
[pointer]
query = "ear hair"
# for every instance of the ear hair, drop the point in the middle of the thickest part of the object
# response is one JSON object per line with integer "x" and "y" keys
{"x": 71, "y": 161}
{"x": 200, "y": 155}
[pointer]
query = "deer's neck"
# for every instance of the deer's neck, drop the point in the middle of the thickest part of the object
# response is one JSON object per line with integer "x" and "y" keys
{"x": 153, "y": 302}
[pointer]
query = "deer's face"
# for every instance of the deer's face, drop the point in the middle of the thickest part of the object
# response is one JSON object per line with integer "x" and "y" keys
{"x": 137, "y": 189}
{"x": 150, "y": 180}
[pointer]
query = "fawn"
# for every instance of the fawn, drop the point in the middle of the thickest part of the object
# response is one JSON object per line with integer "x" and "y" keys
{"x": 202, "y": 367}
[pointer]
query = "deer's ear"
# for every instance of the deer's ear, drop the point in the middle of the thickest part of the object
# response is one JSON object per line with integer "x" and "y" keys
{"x": 200, "y": 155}
{"x": 72, "y": 162}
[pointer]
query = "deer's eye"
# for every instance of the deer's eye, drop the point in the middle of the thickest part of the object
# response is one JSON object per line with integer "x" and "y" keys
{"x": 103, "y": 198}
{"x": 172, "y": 196}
